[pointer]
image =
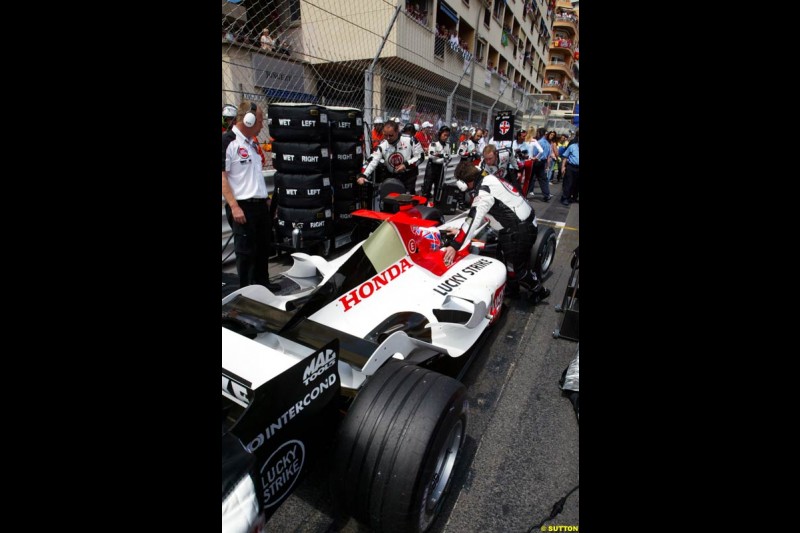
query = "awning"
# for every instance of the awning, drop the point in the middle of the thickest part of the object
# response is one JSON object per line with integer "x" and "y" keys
{"x": 449, "y": 11}
{"x": 291, "y": 96}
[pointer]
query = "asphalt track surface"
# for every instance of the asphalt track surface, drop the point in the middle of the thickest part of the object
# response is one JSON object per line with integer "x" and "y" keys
{"x": 520, "y": 456}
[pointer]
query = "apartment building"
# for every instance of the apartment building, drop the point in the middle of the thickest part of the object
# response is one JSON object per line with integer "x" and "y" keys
{"x": 455, "y": 60}
{"x": 561, "y": 74}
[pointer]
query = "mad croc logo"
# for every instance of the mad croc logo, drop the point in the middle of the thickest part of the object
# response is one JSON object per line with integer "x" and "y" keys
{"x": 370, "y": 287}
{"x": 243, "y": 152}
{"x": 318, "y": 365}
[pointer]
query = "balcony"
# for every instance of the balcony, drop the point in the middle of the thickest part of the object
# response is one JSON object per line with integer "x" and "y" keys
{"x": 416, "y": 38}
{"x": 566, "y": 22}
{"x": 560, "y": 67}
{"x": 563, "y": 44}
{"x": 556, "y": 88}
{"x": 234, "y": 11}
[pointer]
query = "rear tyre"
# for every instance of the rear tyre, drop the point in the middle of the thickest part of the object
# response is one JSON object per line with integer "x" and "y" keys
{"x": 398, "y": 446}
{"x": 543, "y": 251}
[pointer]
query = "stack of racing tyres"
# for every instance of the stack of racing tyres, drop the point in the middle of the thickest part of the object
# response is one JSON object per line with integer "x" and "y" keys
{"x": 317, "y": 152}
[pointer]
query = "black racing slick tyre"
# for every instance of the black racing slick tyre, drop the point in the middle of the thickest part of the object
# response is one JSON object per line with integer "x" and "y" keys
{"x": 398, "y": 446}
{"x": 543, "y": 251}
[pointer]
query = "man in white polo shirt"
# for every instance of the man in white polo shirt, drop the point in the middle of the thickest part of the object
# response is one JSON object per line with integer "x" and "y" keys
{"x": 246, "y": 199}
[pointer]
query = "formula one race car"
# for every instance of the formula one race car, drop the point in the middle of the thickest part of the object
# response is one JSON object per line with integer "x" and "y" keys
{"x": 367, "y": 325}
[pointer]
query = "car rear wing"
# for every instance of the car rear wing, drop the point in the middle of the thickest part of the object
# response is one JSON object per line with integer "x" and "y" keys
{"x": 276, "y": 406}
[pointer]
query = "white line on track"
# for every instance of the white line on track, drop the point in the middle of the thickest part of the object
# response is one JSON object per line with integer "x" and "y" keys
{"x": 557, "y": 224}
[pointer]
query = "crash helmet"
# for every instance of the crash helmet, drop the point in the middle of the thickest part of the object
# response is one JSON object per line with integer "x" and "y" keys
{"x": 427, "y": 124}
{"x": 454, "y": 125}
{"x": 378, "y": 120}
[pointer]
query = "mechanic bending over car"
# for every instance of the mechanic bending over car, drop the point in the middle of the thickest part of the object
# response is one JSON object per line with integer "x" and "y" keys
{"x": 510, "y": 215}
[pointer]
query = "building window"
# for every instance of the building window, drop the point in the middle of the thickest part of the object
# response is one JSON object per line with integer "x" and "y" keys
{"x": 497, "y": 10}
{"x": 418, "y": 11}
{"x": 479, "y": 53}
{"x": 294, "y": 10}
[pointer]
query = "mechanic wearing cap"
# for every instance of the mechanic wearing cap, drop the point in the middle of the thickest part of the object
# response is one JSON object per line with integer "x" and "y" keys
{"x": 245, "y": 192}
{"x": 511, "y": 216}
{"x": 400, "y": 155}
{"x": 377, "y": 133}
{"x": 425, "y": 135}
{"x": 228, "y": 114}
{"x": 439, "y": 154}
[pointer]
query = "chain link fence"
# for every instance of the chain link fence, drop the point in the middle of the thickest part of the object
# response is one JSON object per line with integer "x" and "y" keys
{"x": 414, "y": 61}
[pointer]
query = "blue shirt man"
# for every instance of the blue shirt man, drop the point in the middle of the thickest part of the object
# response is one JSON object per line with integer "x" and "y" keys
{"x": 539, "y": 152}
{"x": 571, "y": 154}
{"x": 570, "y": 172}
{"x": 541, "y": 155}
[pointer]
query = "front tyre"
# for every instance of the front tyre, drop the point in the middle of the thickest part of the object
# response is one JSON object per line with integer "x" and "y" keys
{"x": 398, "y": 447}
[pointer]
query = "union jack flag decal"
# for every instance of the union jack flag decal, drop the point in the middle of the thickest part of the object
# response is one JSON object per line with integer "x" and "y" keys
{"x": 436, "y": 242}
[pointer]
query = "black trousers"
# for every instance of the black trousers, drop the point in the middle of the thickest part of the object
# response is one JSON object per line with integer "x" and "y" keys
{"x": 433, "y": 171}
{"x": 538, "y": 173}
{"x": 569, "y": 190}
{"x": 515, "y": 244}
{"x": 251, "y": 242}
{"x": 409, "y": 179}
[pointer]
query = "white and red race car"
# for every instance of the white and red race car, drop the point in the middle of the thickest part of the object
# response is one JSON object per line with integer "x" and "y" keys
{"x": 366, "y": 325}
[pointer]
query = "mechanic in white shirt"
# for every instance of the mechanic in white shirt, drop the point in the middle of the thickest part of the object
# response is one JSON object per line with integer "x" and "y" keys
{"x": 245, "y": 192}
{"x": 511, "y": 216}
